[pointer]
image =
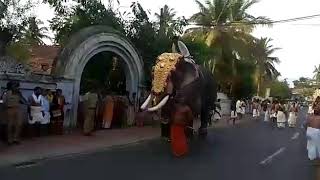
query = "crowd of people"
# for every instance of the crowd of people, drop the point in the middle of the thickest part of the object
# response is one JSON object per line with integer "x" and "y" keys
{"x": 279, "y": 113}
{"x": 106, "y": 110}
{"x": 45, "y": 112}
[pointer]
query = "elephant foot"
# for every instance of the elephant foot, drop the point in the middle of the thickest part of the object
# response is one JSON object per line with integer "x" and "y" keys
{"x": 203, "y": 132}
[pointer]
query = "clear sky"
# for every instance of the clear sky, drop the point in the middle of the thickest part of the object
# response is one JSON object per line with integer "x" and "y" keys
{"x": 299, "y": 41}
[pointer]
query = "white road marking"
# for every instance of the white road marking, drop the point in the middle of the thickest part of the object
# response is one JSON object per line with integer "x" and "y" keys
{"x": 269, "y": 158}
{"x": 295, "y": 136}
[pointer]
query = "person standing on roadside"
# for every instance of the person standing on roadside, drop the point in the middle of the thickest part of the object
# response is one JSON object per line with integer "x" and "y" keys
{"x": 12, "y": 100}
{"x": 46, "y": 109}
{"x": 239, "y": 109}
{"x": 35, "y": 111}
{"x": 233, "y": 108}
{"x": 90, "y": 105}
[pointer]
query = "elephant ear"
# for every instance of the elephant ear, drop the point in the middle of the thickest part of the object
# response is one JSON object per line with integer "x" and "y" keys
{"x": 184, "y": 51}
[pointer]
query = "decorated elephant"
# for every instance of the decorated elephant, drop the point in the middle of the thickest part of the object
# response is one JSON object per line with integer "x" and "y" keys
{"x": 180, "y": 84}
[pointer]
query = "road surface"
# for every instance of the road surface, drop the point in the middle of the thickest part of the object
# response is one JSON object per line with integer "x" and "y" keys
{"x": 248, "y": 151}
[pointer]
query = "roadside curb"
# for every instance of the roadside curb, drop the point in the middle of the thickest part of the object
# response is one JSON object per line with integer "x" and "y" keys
{"x": 37, "y": 160}
{"x": 20, "y": 164}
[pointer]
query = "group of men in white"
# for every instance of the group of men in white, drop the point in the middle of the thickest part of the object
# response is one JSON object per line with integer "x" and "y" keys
{"x": 275, "y": 112}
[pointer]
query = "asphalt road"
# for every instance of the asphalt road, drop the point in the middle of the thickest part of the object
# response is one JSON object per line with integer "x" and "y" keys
{"x": 248, "y": 151}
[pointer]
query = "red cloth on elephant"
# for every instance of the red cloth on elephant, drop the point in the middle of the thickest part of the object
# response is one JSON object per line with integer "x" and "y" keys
{"x": 178, "y": 140}
{"x": 181, "y": 117}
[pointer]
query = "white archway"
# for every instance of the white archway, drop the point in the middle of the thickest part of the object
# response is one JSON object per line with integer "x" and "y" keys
{"x": 89, "y": 42}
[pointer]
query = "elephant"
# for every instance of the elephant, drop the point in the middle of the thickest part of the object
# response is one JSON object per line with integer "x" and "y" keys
{"x": 175, "y": 80}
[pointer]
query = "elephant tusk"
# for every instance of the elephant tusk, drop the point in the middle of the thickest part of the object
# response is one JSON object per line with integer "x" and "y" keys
{"x": 160, "y": 105}
{"x": 145, "y": 104}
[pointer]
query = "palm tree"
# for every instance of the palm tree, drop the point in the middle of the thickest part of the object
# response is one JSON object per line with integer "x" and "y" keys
{"x": 33, "y": 34}
{"x": 264, "y": 61}
{"x": 225, "y": 25}
{"x": 240, "y": 18}
{"x": 317, "y": 73}
{"x": 165, "y": 19}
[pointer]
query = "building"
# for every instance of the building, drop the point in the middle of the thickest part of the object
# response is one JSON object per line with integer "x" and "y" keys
{"x": 52, "y": 67}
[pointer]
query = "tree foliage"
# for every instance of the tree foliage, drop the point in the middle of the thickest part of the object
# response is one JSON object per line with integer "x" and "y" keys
{"x": 14, "y": 15}
{"x": 34, "y": 32}
{"x": 264, "y": 62}
{"x": 225, "y": 26}
{"x": 168, "y": 24}
{"x": 69, "y": 20}
{"x": 221, "y": 41}
{"x": 280, "y": 89}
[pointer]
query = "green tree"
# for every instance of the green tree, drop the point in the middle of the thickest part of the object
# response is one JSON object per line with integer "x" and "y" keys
{"x": 222, "y": 28}
{"x": 165, "y": 19}
{"x": 13, "y": 18}
{"x": 169, "y": 24}
{"x": 143, "y": 33}
{"x": 34, "y": 34}
{"x": 86, "y": 13}
{"x": 264, "y": 62}
{"x": 303, "y": 82}
{"x": 280, "y": 89}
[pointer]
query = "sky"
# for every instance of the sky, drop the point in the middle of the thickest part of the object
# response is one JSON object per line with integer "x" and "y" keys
{"x": 299, "y": 41}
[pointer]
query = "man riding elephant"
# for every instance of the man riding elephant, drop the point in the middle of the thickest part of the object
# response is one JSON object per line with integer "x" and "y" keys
{"x": 176, "y": 78}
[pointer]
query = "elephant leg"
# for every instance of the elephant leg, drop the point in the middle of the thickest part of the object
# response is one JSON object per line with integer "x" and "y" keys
{"x": 204, "y": 117}
{"x": 165, "y": 130}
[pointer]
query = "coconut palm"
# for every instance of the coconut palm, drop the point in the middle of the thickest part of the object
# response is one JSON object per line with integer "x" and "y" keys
{"x": 33, "y": 33}
{"x": 317, "y": 73}
{"x": 225, "y": 26}
{"x": 165, "y": 19}
{"x": 264, "y": 61}
{"x": 241, "y": 19}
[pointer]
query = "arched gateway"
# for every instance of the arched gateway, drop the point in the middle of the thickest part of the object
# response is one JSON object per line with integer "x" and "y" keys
{"x": 87, "y": 43}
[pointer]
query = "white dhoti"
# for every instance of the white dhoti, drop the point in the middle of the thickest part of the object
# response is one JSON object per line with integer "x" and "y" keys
{"x": 239, "y": 110}
{"x": 243, "y": 110}
{"x": 266, "y": 116}
{"x": 233, "y": 114}
{"x": 292, "y": 119}
{"x": 36, "y": 114}
{"x": 310, "y": 110}
{"x": 255, "y": 113}
{"x": 281, "y": 119}
{"x": 313, "y": 144}
{"x": 46, "y": 118}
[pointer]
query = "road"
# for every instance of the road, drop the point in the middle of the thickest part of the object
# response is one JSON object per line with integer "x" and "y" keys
{"x": 248, "y": 151}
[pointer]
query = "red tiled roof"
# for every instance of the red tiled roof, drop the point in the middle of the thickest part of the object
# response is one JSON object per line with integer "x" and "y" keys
{"x": 42, "y": 58}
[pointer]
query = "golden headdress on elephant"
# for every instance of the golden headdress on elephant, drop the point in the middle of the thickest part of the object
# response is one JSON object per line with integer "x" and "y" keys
{"x": 165, "y": 63}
